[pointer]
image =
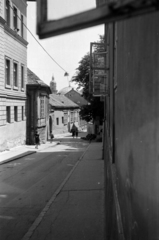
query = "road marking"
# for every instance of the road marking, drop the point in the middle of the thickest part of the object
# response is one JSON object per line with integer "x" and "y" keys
{"x": 38, "y": 220}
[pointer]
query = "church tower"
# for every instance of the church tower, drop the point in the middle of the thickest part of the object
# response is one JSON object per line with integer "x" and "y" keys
{"x": 53, "y": 85}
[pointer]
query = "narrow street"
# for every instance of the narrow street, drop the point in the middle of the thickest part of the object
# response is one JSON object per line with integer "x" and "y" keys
{"x": 27, "y": 184}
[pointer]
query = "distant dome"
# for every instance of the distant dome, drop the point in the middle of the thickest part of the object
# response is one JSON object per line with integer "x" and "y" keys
{"x": 65, "y": 90}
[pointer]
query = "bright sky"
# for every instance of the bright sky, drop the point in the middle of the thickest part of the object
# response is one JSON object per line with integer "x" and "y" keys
{"x": 66, "y": 49}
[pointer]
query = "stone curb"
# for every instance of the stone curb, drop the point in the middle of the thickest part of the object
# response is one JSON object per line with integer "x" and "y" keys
{"x": 17, "y": 157}
{"x": 24, "y": 154}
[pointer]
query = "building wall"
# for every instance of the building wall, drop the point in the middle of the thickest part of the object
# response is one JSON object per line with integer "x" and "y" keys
{"x": 65, "y": 126}
{"x": 36, "y": 122}
{"x": 14, "y": 48}
{"x": 137, "y": 126}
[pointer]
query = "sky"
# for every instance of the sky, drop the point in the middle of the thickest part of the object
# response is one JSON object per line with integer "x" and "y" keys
{"x": 67, "y": 50}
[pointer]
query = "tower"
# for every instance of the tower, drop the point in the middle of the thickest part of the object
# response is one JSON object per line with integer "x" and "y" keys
{"x": 53, "y": 85}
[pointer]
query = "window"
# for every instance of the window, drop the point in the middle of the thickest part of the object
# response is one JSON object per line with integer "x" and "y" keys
{"x": 22, "y": 113}
{"x": 57, "y": 121}
{"x": 15, "y": 74}
{"x": 71, "y": 116}
{"x": 22, "y": 26}
{"x": 8, "y": 114}
{"x": 22, "y": 77}
{"x": 15, "y": 18}
{"x": 65, "y": 118}
{"x": 8, "y": 13}
{"x": 62, "y": 119}
{"x": 42, "y": 107}
{"x": 15, "y": 114}
{"x": 7, "y": 73}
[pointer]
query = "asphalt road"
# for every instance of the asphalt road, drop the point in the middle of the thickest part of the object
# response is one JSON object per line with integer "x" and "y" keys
{"x": 27, "y": 184}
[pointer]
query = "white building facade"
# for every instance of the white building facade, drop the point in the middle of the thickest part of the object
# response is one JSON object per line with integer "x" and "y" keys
{"x": 13, "y": 73}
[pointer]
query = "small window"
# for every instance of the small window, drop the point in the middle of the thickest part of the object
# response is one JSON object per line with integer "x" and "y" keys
{"x": 57, "y": 121}
{"x": 8, "y": 120}
{"x": 42, "y": 109}
{"x": 22, "y": 26}
{"x": 22, "y": 113}
{"x": 7, "y": 13}
{"x": 15, "y": 18}
{"x": 15, "y": 114}
{"x": 62, "y": 119}
{"x": 22, "y": 77}
{"x": 7, "y": 73}
{"x": 15, "y": 74}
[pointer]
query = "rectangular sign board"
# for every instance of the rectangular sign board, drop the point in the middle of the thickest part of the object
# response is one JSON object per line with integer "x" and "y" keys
{"x": 52, "y": 20}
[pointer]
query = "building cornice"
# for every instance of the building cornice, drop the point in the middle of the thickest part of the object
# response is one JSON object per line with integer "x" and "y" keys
{"x": 12, "y": 96}
{"x": 14, "y": 34}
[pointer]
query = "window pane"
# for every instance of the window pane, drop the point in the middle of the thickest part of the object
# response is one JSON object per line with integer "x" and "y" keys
{"x": 42, "y": 107}
{"x": 22, "y": 113}
{"x": 7, "y": 12}
{"x": 22, "y": 77}
{"x": 7, "y": 72}
{"x": 22, "y": 25}
{"x": 15, "y": 114}
{"x": 15, "y": 18}
{"x": 8, "y": 114}
{"x": 15, "y": 74}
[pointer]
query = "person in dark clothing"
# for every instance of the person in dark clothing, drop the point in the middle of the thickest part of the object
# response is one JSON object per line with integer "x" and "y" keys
{"x": 51, "y": 137}
{"x": 37, "y": 139}
{"x": 73, "y": 130}
{"x": 76, "y": 132}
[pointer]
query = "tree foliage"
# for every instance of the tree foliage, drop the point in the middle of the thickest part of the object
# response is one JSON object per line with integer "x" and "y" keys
{"x": 95, "y": 107}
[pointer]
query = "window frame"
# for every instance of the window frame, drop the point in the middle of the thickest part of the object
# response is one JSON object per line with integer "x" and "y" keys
{"x": 42, "y": 107}
{"x": 57, "y": 121}
{"x": 7, "y": 12}
{"x": 22, "y": 77}
{"x": 15, "y": 17}
{"x": 22, "y": 111}
{"x": 15, "y": 113}
{"x": 8, "y": 114}
{"x": 62, "y": 119}
{"x": 22, "y": 25}
{"x": 15, "y": 78}
{"x": 7, "y": 74}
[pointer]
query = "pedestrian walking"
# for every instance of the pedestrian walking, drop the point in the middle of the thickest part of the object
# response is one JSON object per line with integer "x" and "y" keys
{"x": 37, "y": 139}
{"x": 73, "y": 130}
{"x": 76, "y": 132}
{"x": 51, "y": 137}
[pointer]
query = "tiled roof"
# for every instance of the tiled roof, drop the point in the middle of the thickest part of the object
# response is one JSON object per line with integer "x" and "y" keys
{"x": 33, "y": 79}
{"x": 61, "y": 101}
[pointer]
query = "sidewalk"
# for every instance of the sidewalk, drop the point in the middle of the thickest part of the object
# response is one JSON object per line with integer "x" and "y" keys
{"x": 23, "y": 150}
{"x": 76, "y": 210}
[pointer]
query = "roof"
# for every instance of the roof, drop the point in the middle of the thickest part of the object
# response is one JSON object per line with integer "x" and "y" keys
{"x": 60, "y": 101}
{"x": 65, "y": 90}
{"x": 33, "y": 79}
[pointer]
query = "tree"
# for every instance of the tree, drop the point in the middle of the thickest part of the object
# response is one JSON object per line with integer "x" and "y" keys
{"x": 95, "y": 107}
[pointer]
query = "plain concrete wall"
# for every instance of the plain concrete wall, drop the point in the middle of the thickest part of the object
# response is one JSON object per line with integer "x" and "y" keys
{"x": 137, "y": 126}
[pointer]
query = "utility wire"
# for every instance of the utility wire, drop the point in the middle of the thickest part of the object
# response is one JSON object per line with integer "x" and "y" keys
{"x": 66, "y": 73}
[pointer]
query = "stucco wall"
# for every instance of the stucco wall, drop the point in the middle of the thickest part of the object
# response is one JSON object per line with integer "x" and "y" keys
{"x": 15, "y": 50}
{"x": 137, "y": 126}
{"x": 13, "y": 135}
